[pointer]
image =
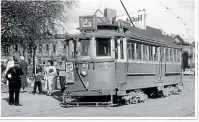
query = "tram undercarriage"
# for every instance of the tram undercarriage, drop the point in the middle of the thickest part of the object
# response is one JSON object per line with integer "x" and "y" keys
{"x": 131, "y": 97}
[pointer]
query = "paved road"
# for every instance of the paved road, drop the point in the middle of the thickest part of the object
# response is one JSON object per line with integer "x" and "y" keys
{"x": 48, "y": 106}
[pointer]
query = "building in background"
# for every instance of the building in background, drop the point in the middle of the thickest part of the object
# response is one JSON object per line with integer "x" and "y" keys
{"x": 47, "y": 49}
{"x": 188, "y": 52}
{"x": 138, "y": 18}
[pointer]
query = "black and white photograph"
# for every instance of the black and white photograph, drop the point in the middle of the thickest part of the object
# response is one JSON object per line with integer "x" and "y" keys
{"x": 99, "y": 59}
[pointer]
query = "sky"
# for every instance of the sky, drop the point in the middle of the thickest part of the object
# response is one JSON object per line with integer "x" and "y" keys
{"x": 157, "y": 15}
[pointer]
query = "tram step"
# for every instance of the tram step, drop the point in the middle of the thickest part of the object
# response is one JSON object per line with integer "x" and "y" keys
{"x": 97, "y": 104}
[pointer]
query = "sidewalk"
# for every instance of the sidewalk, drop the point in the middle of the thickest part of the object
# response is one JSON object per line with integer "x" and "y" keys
{"x": 31, "y": 103}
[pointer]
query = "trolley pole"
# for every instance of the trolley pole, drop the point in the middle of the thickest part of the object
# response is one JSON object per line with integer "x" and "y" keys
{"x": 127, "y": 13}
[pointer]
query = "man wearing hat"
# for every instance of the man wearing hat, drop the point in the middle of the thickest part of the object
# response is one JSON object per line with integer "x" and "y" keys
{"x": 13, "y": 75}
{"x": 24, "y": 67}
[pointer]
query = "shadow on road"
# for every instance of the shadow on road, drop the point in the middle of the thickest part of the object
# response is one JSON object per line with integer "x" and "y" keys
{"x": 23, "y": 91}
{"x": 57, "y": 95}
{"x": 6, "y": 99}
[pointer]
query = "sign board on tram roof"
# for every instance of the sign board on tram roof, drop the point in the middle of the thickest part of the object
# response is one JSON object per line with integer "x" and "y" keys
{"x": 87, "y": 22}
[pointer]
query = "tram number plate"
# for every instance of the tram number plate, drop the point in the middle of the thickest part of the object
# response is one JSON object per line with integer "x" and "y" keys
{"x": 160, "y": 86}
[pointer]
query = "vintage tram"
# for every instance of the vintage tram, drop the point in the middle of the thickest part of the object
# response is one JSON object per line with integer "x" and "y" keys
{"x": 116, "y": 59}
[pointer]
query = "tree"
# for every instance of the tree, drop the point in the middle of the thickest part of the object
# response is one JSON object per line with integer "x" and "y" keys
{"x": 27, "y": 22}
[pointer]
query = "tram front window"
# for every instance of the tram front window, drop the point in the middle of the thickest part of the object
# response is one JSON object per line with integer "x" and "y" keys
{"x": 85, "y": 45}
{"x": 103, "y": 47}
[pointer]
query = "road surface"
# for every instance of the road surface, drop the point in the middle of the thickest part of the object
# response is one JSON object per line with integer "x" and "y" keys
{"x": 182, "y": 105}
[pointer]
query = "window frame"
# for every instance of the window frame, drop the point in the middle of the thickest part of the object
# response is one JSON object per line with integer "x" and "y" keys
{"x": 131, "y": 50}
{"x": 137, "y": 47}
{"x": 89, "y": 48}
{"x": 110, "y": 50}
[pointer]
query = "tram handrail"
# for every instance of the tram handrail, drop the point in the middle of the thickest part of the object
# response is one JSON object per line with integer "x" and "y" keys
{"x": 77, "y": 69}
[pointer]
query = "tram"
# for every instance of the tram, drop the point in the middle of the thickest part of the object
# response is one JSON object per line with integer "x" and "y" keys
{"x": 116, "y": 59}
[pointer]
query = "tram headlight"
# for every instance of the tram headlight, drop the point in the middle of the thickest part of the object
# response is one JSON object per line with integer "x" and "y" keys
{"x": 84, "y": 73}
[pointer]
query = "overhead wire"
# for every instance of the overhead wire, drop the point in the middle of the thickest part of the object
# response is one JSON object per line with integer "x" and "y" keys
{"x": 179, "y": 18}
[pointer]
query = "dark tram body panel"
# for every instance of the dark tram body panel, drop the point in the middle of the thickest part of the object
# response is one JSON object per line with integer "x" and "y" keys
{"x": 99, "y": 81}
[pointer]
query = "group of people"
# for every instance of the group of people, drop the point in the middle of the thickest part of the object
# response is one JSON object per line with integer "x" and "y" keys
{"x": 16, "y": 75}
{"x": 50, "y": 75}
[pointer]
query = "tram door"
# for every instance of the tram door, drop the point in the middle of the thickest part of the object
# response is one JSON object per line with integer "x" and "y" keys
{"x": 161, "y": 65}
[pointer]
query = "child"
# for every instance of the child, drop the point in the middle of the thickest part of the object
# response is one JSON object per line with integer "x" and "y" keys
{"x": 38, "y": 78}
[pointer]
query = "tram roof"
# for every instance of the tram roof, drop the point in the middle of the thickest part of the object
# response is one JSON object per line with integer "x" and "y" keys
{"x": 101, "y": 34}
{"x": 150, "y": 35}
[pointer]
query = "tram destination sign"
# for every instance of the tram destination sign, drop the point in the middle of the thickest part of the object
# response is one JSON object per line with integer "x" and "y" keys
{"x": 87, "y": 22}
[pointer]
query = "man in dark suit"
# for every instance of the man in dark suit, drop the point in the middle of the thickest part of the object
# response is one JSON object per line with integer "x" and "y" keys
{"x": 24, "y": 67}
{"x": 14, "y": 77}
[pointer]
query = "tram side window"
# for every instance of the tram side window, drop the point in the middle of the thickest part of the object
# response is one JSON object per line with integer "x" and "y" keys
{"x": 175, "y": 55}
{"x": 171, "y": 55}
{"x": 145, "y": 52}
{"x": 179, "y": 56}
{"x": 131, "y": 50}
{"x": 85, "y": 44}
{"x": 116, "y": 49}
{"x": 71, "y": 49}
{"x": 155, "y": 53}
{"x": 121, "y": 50}
{"x": 162, "y": 54}
{"x": 167, "y": 54}
{"x": 150, "y": 53}
{"x": 138, "y": 50}
{"x": 103, "y": 47}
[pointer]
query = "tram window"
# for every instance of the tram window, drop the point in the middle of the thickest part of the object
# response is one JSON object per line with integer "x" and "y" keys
{"x": 155, "y": 53}
{"x": 121, "y": 50}
{"x": 171, "y": 55}
{"x": 162, "y": 56}
{"x": 150, "y": 53}
{"x": 103, "y": 47}
{"x": 131, "y": 50}
{"x": 167, "y": 54}
{"x": 85, "y": 44}
{"x": 71, "y": 50}
{"x": 138, "y": 51}
{"x": 175, "y": 56}
{"x": 178, "y": 55}
{"x": 116, "y": 49}
{"x": 145, "y": 52}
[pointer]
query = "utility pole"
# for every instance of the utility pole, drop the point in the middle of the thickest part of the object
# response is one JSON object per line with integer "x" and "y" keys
{"x": 127, "y": 13}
